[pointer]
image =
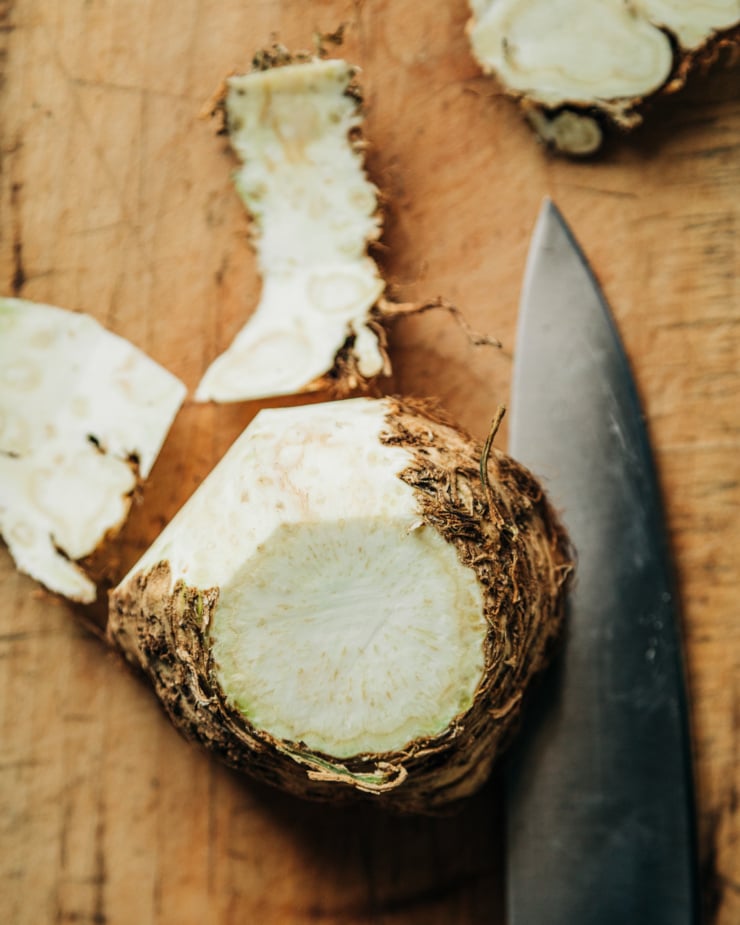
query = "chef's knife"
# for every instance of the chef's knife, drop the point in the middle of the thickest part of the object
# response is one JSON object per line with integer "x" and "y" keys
{"x": 600, "y": 817}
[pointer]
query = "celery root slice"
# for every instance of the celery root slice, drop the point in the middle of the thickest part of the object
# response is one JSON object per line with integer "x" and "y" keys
{"x": 83, "y": 414}
{"x": 314, "y": 212}
{"x": 577, "y": 66}
{"x": 344, "y": 606}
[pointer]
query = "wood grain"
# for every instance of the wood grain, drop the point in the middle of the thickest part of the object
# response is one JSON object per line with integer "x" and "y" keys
{"x": 116, "y": 200}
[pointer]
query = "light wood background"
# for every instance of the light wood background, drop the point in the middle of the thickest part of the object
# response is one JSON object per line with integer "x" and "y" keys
{"x": 116, "y": 200}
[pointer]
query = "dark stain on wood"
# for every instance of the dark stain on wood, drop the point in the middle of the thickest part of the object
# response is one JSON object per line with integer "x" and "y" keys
{"x": 18, "y": 279}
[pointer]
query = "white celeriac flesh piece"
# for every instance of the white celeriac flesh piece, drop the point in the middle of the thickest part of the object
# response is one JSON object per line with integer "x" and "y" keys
{"x": 692, "y": 22}
{"x": 313, "y": 213}
{"x": 83, "y": 414}
{"x": 608, "y": 56}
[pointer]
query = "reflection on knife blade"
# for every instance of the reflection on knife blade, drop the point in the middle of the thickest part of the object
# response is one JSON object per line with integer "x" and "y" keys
{"x": 600, "y": 797}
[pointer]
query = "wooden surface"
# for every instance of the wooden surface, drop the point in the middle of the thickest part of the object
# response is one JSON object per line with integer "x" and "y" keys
{"x": 116, "y": 200}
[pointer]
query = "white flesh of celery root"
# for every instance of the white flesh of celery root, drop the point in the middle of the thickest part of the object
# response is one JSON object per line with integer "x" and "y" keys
{"x": 332, "y": 592}
{"x": 83, "y": 414}
{"x": 314, "y": 213}
{"x": 606, "y": 56}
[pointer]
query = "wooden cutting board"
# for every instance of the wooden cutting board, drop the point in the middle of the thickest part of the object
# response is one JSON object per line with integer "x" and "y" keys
{"x": 117, "y": 200}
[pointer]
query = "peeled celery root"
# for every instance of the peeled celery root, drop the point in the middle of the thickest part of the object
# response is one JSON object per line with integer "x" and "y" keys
{"x": 577, "y": 66}
{"x": 83, "y": 415}
{"x": 345, "y": 607}
{"x": 294, "y": 126}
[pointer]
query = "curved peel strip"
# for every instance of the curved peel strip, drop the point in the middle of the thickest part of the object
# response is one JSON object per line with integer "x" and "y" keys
{"x": 83, "y": 414}
{"x": 314, "y": 213}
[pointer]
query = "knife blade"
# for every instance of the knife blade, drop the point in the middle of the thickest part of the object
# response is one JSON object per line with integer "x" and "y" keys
{"x": 600, "y": 804}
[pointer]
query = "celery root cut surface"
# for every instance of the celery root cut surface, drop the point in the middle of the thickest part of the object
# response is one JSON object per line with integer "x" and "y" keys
{"x": 345, "y": 606}
{"x": 83, "y": 415}
{"x": 578, "y": 65}
{"x": 294, "y": 128}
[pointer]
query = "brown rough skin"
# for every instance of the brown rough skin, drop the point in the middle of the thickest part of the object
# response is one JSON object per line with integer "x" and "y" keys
{"x": 504, "y": 530}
